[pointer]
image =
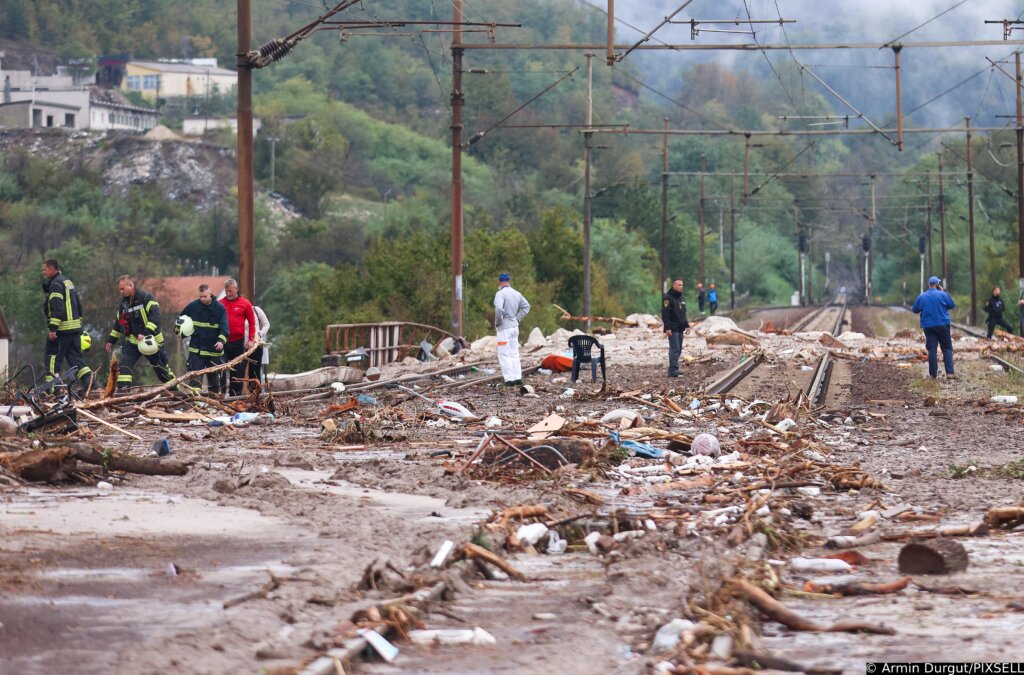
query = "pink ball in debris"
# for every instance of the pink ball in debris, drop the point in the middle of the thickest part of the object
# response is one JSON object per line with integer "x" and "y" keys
{"x": 706, "y": 444}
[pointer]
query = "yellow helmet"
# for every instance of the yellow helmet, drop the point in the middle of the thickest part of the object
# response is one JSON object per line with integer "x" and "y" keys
{"x": 86, "y": 341}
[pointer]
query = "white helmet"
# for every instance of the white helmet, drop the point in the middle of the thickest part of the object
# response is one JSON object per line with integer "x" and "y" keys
{"x": 148, "y": 345}
{"x": 184, "y": 326}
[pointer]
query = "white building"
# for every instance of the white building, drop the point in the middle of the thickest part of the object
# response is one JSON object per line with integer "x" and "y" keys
{"x": 5, "y": 351}
{"x": 197, "y": 126}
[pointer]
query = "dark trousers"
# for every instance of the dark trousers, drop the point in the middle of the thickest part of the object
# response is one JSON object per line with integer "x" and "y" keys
{"x": 215, "y": 380}
{"x": 700, "y": 303}
{"x": 713, "y": 306}
{"x": 66, "y": 346}
{"x": 935, "y": 337}
{"x": 994, "y": 321}
{"x": 256, "y": 363}
{"x": 675, "y": 349}
{"x": 238, "y": 371}
{"x": 130, "y": 355}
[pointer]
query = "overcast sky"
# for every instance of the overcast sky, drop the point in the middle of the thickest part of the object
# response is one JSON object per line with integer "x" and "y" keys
{"x": 926, "y": 72}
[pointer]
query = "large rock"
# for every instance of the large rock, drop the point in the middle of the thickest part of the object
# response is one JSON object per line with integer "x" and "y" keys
{"x": 560, "y": 338}
{"x": 715, "y": 325}
{"x": 645, "y": 320}
{"x": 487, "y": 343}
{"x": 321, "y": 377}
{"x": 536, "y": 339}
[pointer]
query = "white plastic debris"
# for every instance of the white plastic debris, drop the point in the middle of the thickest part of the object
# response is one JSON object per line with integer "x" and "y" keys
{"x": 442, "y": 554}
{"x": 619, "y": 414}
{"x": 338, "y": 387}
{"x": 819, "y": 565}
{"x": 556, "y": 544}
{"x": 996, "y": 367}
{"x": 809, "y": 491}
{"x": 493, "y": 422}
{"x": 786, "y": 424}
{"x": 103, "y": 487}
{"x": 532, "y": 533}
{"x": 628, "y": 534}
{"x": 706, "y": 444}
{"x": 452, "y": 636}
{"x": 1004, "y": 399}
{"x": 669, "y": 635}
{"x": 569, "y": 393}
{"x": 591, "y": 541}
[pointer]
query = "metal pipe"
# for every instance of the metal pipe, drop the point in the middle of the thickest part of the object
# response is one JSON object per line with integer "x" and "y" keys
{"x": 457, "y": 100}
{"x": 942, "y": 229}
{"x": 970, "y": 226}
{"x": 587, "y": 138}
{"x": 246, "y": 245}
{"x": 610, "y": 49}
{"x": 899, "y": 101}
{"x": 740, "y": 47}
{"x": 700, "y": 216}
{"x": 664, "y": 212}
{"x": 732, "y": 244}
{"x": 1020, "y": 180}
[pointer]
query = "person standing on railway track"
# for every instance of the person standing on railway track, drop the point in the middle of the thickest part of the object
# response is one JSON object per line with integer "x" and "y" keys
{"x": 510, "y": 307}
{"x": 712, "y": 300}
{"x": 933, "y": 305}
{"x": 701, "y": 296}
{"x": 995, "y": 307}
{"x": 673, "y": 317}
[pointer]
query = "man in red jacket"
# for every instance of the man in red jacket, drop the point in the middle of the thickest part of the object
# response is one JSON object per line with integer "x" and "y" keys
{"x": 239, "y": 311}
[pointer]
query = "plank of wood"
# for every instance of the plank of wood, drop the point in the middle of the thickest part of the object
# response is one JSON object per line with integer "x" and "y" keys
{"x": 174, "y": 417}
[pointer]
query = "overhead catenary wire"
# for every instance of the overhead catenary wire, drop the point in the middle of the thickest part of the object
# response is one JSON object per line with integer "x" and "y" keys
{"x": 480, "y": 134}
{"x": 940, "y": 14}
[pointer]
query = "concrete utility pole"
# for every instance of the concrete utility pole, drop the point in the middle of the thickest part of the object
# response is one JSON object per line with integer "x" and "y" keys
{"x": 457, "y": 100}
{"x": 587, "y": 137}
{"x": 970, "y": 226}
{"x": 246, "y": 240}
{"x": 664, "y": 212}
{"x": 732, "y": 244}
{"x": 942, "y": 229}
{"x": 810, "y": 270}
{"x": 273, "y": 162}
{"x": 700, "y": 216}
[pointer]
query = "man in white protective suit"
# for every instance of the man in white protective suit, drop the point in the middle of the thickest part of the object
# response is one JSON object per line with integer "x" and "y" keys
{"x": 510, "y": 307}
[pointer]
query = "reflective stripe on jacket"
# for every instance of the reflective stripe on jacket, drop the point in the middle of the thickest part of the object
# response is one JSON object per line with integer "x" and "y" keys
{"x": 138, "y": 315}
{"x": 62, "y": 306}
{"x": 211, "y": 322}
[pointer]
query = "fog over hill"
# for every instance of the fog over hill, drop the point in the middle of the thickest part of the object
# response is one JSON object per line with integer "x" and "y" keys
{"x": 864, "y": 77}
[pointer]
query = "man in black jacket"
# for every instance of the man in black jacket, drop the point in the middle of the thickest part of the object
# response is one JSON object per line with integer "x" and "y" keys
{"x": 138, "y": 318}
{"x": 995, "y": 307}
{"x": 673, "y": 316}
{"x": 206, "y": 344}
{"x": 63, "y": 311}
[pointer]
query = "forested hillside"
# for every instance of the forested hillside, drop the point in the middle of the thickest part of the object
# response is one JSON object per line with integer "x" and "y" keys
{"x": 363, "y": 153}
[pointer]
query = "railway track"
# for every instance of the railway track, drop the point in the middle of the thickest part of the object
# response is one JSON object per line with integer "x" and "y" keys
{"x": 827, "y": 318}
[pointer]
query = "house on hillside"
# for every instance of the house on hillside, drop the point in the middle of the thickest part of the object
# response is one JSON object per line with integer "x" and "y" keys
{"x": 166, "y": 79}
{"x": 198, "y": 125}
{"x": 5, "y": 348}
{"x": 66, "y": 100}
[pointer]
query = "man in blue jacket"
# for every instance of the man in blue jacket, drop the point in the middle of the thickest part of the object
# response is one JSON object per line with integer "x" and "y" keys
{"x": 933, "y": 305}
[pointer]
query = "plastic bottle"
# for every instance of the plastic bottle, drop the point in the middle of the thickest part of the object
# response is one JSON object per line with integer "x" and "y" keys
{"x": 819, "y": 565}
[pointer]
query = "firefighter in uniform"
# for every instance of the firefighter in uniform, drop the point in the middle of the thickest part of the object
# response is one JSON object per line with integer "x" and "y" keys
{"x": 207, "y": 337}
{"x": 63, "y": 311}
{"x": 138, "y": 322}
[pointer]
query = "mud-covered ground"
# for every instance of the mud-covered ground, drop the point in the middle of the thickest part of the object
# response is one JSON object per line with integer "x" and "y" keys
{"x": 135, "y": 580}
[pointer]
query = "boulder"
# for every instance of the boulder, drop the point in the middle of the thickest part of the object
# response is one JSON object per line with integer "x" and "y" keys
{"x": 715, "y": 325}
{"x": 536, "y": 339}
{"x": 644, "y": 320}
{"x": 487, "y": 343}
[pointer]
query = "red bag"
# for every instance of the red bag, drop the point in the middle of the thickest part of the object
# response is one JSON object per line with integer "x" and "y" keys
{"x": 557, "y": 363}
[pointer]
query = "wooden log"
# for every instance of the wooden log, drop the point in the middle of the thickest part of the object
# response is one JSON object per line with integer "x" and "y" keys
{"x": 148, "y": 466}
{"x": 472, "y": 551}
{"x": 1005, "y": 517}
{"x": 858, "y": 588}
{"x": 778, "y": 612}
{"x": 43, "y": 465}
{"x": 110, "y": 425}
{"x": 262, "y": 592}
{"x": 939, "y": 556}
